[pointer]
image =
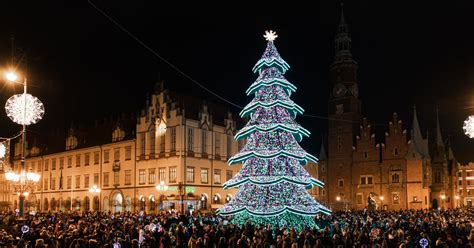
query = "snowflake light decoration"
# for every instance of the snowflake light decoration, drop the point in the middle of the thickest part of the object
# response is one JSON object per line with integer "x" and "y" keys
{"x": 468, "y": 126}
{"x": 270, "y": 35}
{"x": 24, "y": 109}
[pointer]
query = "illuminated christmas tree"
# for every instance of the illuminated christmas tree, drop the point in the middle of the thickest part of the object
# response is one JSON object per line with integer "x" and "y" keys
{"x": 272, "y": 184}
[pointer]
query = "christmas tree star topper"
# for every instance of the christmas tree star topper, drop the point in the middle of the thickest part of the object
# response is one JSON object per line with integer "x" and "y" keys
{"x": 270, "y": 35}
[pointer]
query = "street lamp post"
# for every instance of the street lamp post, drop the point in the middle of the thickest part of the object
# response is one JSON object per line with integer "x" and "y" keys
{"x": 443, "y": 197}
{"x": 338, "y": 199}
{"x": 181, "y": 194}
{"x": 23, "y": 109}
{"x": 22, "y": 183}
{"x": 161, "y": 188}
{"x": 95, "y": 191}
{"x": 381, "y": 200}
{"x": 457, "y": 200}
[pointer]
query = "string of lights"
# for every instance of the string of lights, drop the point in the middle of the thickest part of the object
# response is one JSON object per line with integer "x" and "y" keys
{"x": 176, "y": 68}
{"x": 13, "y": 137}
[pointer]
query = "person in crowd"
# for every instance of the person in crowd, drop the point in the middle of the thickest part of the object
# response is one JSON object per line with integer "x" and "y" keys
{"x": 404, "y": 228}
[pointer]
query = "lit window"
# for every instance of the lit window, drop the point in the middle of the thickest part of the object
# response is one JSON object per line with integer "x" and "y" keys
{"x": 172, "y": 174}
{"x": 151, "y": 176}
{"x": 128, "y": 177}
{"x": 141, "y": 177}
{"x": 190, "y": 174}
{"x": 217, "y": 176}
{"x": 204, "y": 175}
{"x": 340, "y": 183}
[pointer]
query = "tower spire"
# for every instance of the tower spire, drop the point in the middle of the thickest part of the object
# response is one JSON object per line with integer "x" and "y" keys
{"x": 322, "y": 152}
{"x": 416, "y": 132}
{"x": 343, "y": 40}
{"x": 342, "y": 22}
{"x": 439, "y": 138}
{"x": 418, "y": 144}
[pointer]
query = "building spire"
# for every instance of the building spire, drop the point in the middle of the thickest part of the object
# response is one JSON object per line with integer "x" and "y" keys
{"x": 343, "y": 40}
{"x": 418, "y": 145}
{"x": 416, "y": 132}
{"x": 342, "y": 22}
{"x": 439, "y": 138}
{"x": 322, "y": 152}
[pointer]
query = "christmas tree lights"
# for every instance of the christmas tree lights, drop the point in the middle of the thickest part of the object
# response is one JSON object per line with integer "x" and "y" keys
{"x": 272, "y": 182}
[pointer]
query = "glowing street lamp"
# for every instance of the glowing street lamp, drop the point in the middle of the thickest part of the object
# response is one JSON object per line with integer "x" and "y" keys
{"x": 94, "y": 189}
{"x": 23, "y": 109}
{"x": 11, "y": 76}
{"x": 457, "y": 200}
{"x": 162, "y": 186}
{"x": 443, "y": 197}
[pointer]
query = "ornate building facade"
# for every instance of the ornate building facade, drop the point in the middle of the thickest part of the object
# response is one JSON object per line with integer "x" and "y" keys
{"x": 404, "y": 171}
{"x": 176, "y": 141}
{"x": 465, "y": 178}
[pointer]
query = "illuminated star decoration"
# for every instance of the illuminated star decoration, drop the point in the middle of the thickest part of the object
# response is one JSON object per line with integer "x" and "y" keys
{"x": 270, "y": 35}
{"x": 24, "y": 114}
{"x": 468, "y": 126}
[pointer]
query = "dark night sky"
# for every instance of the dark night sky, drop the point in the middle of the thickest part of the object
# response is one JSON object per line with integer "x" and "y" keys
{"x": 87, "y": 68}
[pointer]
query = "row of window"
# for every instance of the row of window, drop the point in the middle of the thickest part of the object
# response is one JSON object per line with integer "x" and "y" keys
{"x": 468, "y": 182}
{"x": 395, "y": 198}
{"x": 368, "y": 180}
{"x": 469, "y": 173}
{"x": 189, "y": 141}
{"x": 36, "y": 165}
{"x": 50, "y": 183}
{"x": 190, "y": 175}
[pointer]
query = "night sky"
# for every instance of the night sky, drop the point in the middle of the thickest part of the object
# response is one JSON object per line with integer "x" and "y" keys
{"x": 83, "y": 67}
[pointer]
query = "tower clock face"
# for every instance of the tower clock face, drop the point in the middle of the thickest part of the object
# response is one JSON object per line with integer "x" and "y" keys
{"x": 355, "y": 90}
{"x": 339, "y": 90}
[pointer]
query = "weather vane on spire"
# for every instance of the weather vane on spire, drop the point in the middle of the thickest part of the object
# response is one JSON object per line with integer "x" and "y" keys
{"x": 270, "y": 35}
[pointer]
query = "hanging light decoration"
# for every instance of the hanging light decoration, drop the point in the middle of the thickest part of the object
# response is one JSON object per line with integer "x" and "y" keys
{"x": 24, "y": 109}
{"x": 468, "y": 126}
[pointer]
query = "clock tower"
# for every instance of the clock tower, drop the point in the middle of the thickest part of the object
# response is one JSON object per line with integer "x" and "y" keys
{"x": 344, "y": 120}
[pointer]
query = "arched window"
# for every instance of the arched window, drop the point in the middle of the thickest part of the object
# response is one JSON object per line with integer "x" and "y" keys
{"x": 216, "y": 199}
{"x": 228, "y": 198}
{"x": 96, "y": 203}
{"x": 203, "y": 201}
{"x": 152, "y": 204}
{"x": 87, "y": 203}
{"x": 117, "y": 202}
{"x": 142, "y": 203}
{"x": 45, "y": 204}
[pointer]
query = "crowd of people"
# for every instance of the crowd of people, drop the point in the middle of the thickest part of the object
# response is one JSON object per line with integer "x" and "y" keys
{"x": 440, "y": 228}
